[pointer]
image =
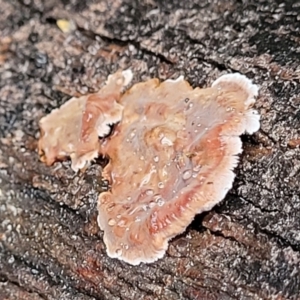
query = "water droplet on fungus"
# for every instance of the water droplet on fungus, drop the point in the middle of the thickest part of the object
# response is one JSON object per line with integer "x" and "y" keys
{"x": 119, "y": 252}
{"x": 112, "y": 222}
{"x": 125, "y": 246}
{"x": 149, "y": 192}
{"x": 152, "y": 204}
{"x": 187, "y": 175}
{"x": 122, "y": 223}
{"x": 160, "y": 185}
{"x": 156, "y": 159}
{"x": 110, "y": 207}
{"x": 160, "y": 201}
{"x": 190, "y": 105}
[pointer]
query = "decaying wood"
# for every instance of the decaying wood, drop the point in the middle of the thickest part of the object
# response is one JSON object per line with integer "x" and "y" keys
{"x": 50, "y": 245}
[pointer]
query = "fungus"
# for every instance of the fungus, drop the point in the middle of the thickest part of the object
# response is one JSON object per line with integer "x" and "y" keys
{"x": 171, "y": 157}
{"x": 74, "y": 128}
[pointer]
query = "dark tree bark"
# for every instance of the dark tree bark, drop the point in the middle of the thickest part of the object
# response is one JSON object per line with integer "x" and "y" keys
{"x": 248, "y": 247}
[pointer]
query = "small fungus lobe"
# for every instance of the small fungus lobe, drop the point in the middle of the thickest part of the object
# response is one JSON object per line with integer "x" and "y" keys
{"x": 74, "y": 128}
{"x": 171, "y": 154}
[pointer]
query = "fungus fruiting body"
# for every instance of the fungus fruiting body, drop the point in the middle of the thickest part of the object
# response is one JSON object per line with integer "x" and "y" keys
{"x": 171, "y": 155}
{"x": 74, "y": 129}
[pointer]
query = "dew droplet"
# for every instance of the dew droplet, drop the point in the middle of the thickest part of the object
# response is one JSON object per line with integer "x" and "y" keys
{"x": 119, "y": 252}
{"x": 149, "y": 192}
{"x": 156, "y": 158}
{"x": 128, "y": 198}
{"x": 137, "y": 219}
{"x": 111, "y": 222}
{"x": 161, "y": 185}
{"x": 119, "y": 216}
{"x": 190, "y": 105}
{"x": 160, "y": 202}
{"x": 145, "y": 207}
{"x": 186, "y": 100}
{"x": 199, "y": 125}
{"x": 110, "y": 207}
{"x": 197, "y": 168}
{"x": 152, "y": 204}
{"x": 142, "y": 157}
{"x": 186, "y": 174}
{"x": 122, "y": 223}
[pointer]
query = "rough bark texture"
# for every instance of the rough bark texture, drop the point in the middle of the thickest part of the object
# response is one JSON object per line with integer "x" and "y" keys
{"x": 50, "y": 245}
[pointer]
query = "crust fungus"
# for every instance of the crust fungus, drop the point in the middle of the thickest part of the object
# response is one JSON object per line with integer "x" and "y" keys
{"x": 74, "y": 128}
{"x": 172, "y": 154}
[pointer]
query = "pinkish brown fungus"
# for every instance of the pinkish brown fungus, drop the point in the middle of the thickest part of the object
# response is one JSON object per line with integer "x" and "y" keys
{"x": 171, "y": 157}
{"x": 74, "y": 128}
